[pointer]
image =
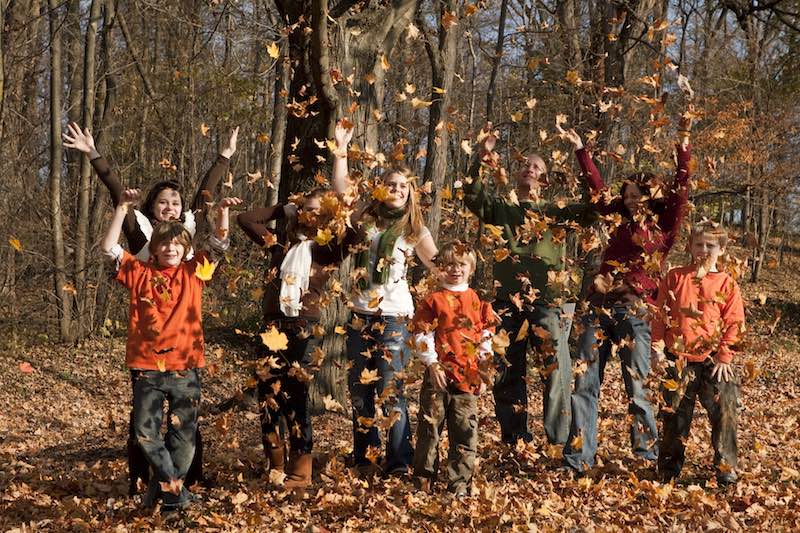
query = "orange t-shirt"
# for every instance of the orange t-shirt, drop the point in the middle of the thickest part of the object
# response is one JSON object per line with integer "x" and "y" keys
{"x": 696, "y": 317}
{"x": 458, "y": 318}
{"x": 165, "y": 328}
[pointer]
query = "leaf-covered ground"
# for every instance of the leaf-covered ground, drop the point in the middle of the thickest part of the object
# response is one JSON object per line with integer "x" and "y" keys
{"x": 63, "y": 425}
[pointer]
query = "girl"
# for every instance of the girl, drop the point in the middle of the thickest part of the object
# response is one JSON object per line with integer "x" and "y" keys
{"x": 163, "y": 202}
{"x": 165, "y": 344}
{"x": 628, "y": 279}
{"x": 391, "y": 232}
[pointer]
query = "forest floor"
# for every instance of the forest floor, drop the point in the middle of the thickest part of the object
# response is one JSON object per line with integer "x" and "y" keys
{"x": 64, "y": 423}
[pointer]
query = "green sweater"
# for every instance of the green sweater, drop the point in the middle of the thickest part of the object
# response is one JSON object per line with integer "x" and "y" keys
{"x": 532, "y": 258}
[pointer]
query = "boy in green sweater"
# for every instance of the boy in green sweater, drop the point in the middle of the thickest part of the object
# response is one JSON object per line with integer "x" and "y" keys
{"x": 529, "y": 283}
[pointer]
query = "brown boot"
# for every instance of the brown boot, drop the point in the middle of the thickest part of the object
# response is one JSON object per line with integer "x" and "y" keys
{"x": 274, "y": 451}
{"x": 298, "y": 472}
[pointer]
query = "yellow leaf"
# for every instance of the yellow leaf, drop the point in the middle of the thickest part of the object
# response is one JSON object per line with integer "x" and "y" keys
{"x": 161, "y": 364}
{"x": 370, "y": 78}
{"x": 339, "y": 330}
{"x": 380, "y": 193}
{"x": 410, "y": 88}
{"x": 572, "y": 77}
{"x": 671, "y": 385}
{"x": 516, "y": 117}
{"x": 263, "y": 138}
{"x": 577, "y": 442}
{"x": 438, "y": 90}
{"x": 274, "y": 340}
{"x": 332, "y": 405}
{"x": 466, "y": 146}
{"x": 323, "y": 236}
{"x": 416, "y": 103}
{"x": 369, "y": 376}
{"x": 385, "y": 62}
{"x": 501, "y": 254}
{"x": 205, "y": 270}
{"x": 204, "y": 129}
{"x": 273, "y": 50}
{"x": 15, "y": 244}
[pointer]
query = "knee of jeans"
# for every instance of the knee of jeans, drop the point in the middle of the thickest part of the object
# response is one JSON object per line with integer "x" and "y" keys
{"x": 358, "y": 404}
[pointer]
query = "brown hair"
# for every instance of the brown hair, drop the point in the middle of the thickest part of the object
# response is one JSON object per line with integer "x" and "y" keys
{"x": 710, "y": 228}
{"x": 410, "y": 224}
{"x": 453, "y": 251}
{"x": 293, "y": 226}
{"x": 150, "y": 201}
{"x": 645, "y": 182}
{"x": 167, "y": 231}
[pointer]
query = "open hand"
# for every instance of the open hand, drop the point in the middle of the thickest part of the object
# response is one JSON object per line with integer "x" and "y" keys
{"x": 130, "y": 197}
{"x": 228, "y": 202}
{"x": 230, "y": 149}
{"x": 437, "y": 376}
{"x": 722, "y": 371}
{"x": 342, "y": 134}
{"x": 80, "y": 140}
{"x": 570, "y": 135}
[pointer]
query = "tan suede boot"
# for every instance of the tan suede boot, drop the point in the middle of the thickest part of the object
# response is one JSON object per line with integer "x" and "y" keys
{"x": 275, "y": 456}
{"x": 298, "y": 471}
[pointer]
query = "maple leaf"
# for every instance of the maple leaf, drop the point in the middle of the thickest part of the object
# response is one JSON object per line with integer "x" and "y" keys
{"x": 683, "y": 83}
{"x": 332, "y": 404}
{"x": 449, "y": 20}
{"x": 205, "y": 270}
{"x": 274, "y": 340}
{"x": 416, "y": 103}
{"x": 273, "y": 50}
{"x": 380, "y": 193}
{"x": 368, "y": 377}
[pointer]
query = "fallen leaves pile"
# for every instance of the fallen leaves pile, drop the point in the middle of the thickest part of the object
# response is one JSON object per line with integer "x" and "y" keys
{"x": 64, "y": 424}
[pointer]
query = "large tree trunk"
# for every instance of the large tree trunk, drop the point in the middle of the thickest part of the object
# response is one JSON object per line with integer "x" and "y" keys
{"x": 63, "y": 296}
{"x": 278, "y": 132}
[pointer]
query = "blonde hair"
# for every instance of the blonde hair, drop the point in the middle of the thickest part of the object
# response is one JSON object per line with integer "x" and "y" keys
{"x": 710, "y": 228}
{"x": 167, "y": 231}
{"x": 454, "y": 251}
{"x": 411, "y": 223}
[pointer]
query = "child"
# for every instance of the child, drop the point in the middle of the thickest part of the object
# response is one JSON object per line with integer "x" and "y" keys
{"x": 165, "y": 343}
{"x": 699, "y": 316}
{"x": 459, "y": 325}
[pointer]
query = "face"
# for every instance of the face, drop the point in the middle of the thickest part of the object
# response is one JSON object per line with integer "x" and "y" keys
{"x": 532, "y": 173}
{"x": 170, "y": 253}
{"x": 167, "y": 205}
{"x": 307, "y": 215}
{"x": 458, "y": 271}
{"x": 705, "y": 250}
{"x": 632, "y": 198}
{"x": 399, "y": 190}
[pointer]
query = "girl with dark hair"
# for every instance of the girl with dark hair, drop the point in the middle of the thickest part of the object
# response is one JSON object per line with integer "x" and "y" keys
{"x": 391, "y": 232}
{"x": 617, "y": 303}
{"x": 163, "y": 202}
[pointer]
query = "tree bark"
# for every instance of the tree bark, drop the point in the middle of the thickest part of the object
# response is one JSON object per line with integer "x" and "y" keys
{"x": 59, "y": 276}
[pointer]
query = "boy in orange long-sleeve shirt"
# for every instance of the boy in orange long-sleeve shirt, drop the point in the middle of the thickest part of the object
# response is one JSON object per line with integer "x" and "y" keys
{"x": 699, "y": 317}
{"x": 453, "y": 331}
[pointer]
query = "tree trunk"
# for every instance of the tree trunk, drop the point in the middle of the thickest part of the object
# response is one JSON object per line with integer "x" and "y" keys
{"x": 278, "y": 133}
{"x": 498, "y": 55}
{"x": 59, "y": 277}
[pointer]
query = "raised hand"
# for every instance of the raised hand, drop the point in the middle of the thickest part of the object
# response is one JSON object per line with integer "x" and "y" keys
{"x": 229, "y": 202}
{"x": 570, "y": 135}
{"x": 343, "y": 134}
{"x": 487, "y": 139}
{"x": 80, "y": 140}
{"x": 230, "y": 149}
{"x": 130, "y": 197}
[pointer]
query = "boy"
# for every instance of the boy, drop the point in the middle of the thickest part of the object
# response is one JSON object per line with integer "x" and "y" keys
{"x": 165, "y": 343}
{"x": 454, "y": 321}
{"x": 699, "y": 317}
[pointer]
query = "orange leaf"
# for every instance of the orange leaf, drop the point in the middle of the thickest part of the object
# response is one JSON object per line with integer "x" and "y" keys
{"x": 274, "y": 340}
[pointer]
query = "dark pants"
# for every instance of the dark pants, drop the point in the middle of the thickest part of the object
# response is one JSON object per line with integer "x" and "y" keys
{"x": 631, "y": 335}
{"x": 553, "y": 360}
{"x": 283, "y": 395}
{"x": 169, "y": 456}
{"x": 719, "y": 400}
{"x": 380, "y": 348}
{"x": 460, "y": 410}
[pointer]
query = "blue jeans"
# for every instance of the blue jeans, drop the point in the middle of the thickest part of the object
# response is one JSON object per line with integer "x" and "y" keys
{"x": 632, "y": 336}
{"x": 170, "y": 456}
{"x": 381, "y": 346}
{"x": 511, "y": 389}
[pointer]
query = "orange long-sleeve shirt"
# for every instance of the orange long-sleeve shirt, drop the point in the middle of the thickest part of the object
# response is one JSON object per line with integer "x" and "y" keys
{"x": 696, "y": 317}
{"x": 457, "y": 318}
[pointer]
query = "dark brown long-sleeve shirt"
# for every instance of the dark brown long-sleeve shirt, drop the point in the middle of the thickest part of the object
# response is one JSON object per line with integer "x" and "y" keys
{"x": 133, "y": 234}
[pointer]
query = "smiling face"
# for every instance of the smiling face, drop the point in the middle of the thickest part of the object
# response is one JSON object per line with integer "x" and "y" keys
{"x": 399, "y": 190}
{"x": 457, "y": 271}
{"x": 531, "y": 175}
{"x": 706, "y": 250}
{"x": 167, "y": 205}
{"x": 632, "y": 198}
{"x": 170, "y": 253}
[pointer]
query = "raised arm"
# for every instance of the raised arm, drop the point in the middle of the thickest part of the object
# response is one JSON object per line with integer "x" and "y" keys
{"x": 83, "y": 141}
{"x": 111, "y": 239}
{"x": 476, "y": 197}
{"x": 678, "y": 196}
{"x": 589, "y": 172}
{"x": 212, "y": 178}
{"x": 254, "y": 222}
{"x": 339, "y": 179}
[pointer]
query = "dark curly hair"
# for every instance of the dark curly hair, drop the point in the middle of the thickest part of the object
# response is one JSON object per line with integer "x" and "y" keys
{"x": 149, "y": 202}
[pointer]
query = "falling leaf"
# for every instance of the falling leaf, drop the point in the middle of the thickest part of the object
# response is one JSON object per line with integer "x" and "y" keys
{"x": 204, "y": 129}
{"x": 416, "y": 103}
{"x": 385, "y": 62}
{"x": 466, "y": 146}
{"x": 273, "y": 50}
{"x": 205, "y": 270}
{"x": 277, "y": 477}
{"x": 449, "y": 20}
{"x": 671, "y": 385}
{"x": 412, "y": 32}
{"x": 15, "y": 244}
{"x": 161, "y": 364}
{"x": 25, "y": 368}
{"x": 274, "y": 340}
{"x": 332, "y": 405}
{"x": 572, "y": 77}
{"x": 262, "y": 138}
{"x": 410, "y": 88}
{"x": 239, "y": 498}
{"x": 683, "y": 83}
{"x": 368, "y": 377}
{"x": 323, "y": 236}
{"x": 380, "y": 193}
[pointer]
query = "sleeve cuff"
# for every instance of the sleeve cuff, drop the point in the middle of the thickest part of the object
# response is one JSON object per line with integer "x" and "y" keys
{"x": 219, "y": 245}
{"x": 114, "y": 253}
{"x": 424, "y": 344}
{"x": 485, "y": 347}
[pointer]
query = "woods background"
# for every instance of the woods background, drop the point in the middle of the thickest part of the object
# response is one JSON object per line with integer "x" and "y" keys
{"x": 161, "y": 84}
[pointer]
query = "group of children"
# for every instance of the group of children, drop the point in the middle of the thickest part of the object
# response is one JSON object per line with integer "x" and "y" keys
{"x": 692, "y": 317}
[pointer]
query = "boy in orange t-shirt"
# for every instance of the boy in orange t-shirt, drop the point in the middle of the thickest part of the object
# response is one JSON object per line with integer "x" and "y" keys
{"x": 699, "y": 316}
{"x": 165, "y": 348}
{"x": 453, "y": 331}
